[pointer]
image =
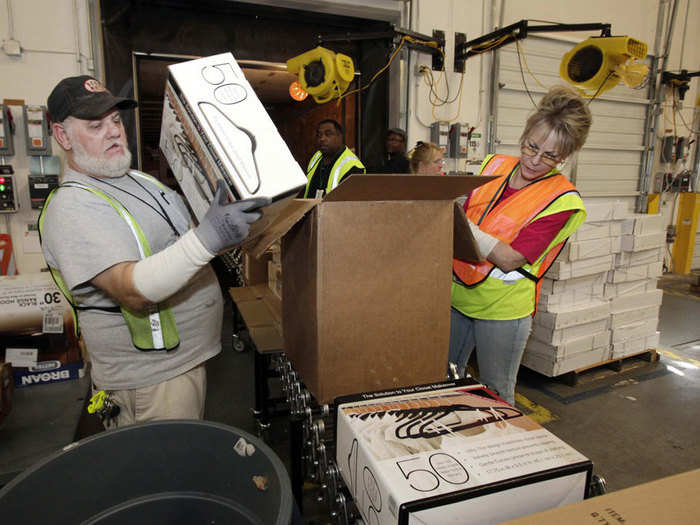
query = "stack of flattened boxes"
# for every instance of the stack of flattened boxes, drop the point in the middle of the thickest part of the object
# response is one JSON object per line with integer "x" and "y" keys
{"x": 599, "y": 292}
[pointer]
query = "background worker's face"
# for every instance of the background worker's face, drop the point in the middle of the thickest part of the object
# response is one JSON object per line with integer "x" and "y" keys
{"x": 433, "y": 166}
{"x": 395, "y": 143}
{"x": 328, "y": 139}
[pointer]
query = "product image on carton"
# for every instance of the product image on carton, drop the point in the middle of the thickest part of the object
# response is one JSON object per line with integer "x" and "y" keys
{"x": 214, "y": 128}
{"x": 451, "y": 452}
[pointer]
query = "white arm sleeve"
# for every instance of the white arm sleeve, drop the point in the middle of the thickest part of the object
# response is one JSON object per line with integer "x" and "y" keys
{"x": 484, "y": 241}
{"x": 161, "y": 275}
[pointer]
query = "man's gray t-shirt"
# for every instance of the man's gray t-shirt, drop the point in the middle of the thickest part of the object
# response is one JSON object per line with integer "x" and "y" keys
{"x": 83, "y": 235}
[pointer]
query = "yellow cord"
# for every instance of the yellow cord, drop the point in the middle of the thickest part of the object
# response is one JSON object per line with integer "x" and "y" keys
{"x": 522, "y": 54}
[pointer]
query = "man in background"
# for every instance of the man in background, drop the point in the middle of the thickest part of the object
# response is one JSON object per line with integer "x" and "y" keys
{"x": 332, "y": 162}
{"x": 395, "y": 146}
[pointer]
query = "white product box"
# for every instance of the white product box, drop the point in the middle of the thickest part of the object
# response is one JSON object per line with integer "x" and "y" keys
{"x": 587, "y": 282}
{"x": 32, "y": 303}
{"x": 574, "y": 251}
{"x": 636, "y": 243}
{"x": 648, "y": 313}
{"x": 639, "y": 300}
{"x": 636, "y": 345}
{"x": 633, "y": 330}
{"x": 215, "y": 127}
{"x": 570, "y": 346}
{"x": 568, "y": 270}
{"x": 653, "y": 255}
{"x": 572, "y": 297}
{"x": 613, "y": 290}
{"x": 643, "y": 224}
{"x": 570, "y": 315}
{"x": 635, "y": 273}
{"x": 597, "y": 230}
{"x": 451, "y": 453}
{"x": 552, "y": 367}
{"x": 605, "y": 211}
{"x": 562, "y": 335}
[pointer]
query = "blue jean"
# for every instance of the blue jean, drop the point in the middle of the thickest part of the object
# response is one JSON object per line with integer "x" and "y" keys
{"x": 499, "y": 349}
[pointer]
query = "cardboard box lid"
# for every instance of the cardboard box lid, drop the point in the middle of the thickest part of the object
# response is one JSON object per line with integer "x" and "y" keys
{"x": 385, "y": 188}
{"x": 668, "y": 500}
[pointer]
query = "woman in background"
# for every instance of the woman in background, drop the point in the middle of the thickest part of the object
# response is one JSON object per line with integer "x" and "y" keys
{"x": 520, "y": 221}
{"x": 426, "y": 159}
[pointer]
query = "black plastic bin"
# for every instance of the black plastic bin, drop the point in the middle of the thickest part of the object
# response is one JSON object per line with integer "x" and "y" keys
{"x": 174, "y": 472}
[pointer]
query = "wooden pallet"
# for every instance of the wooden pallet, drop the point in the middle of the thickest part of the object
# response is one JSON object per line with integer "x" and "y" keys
{"x": 571, "y": 378}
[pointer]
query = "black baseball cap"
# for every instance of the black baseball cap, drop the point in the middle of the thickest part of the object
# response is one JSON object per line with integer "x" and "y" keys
{"x": 83, "y": 97}
{"x": 397, "y": 131}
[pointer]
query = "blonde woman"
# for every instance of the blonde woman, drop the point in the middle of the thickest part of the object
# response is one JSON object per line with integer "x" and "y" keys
{"x": 521, "y": 221}
{"x": 426, "y": 159}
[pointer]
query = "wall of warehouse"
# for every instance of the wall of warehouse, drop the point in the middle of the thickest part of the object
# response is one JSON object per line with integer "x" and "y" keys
{"x": 57, "y": 41}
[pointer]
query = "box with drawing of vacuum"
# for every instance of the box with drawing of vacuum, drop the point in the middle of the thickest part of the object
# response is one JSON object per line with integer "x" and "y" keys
{"x": 214, "y": 128}
{"x": 451, "y": 453}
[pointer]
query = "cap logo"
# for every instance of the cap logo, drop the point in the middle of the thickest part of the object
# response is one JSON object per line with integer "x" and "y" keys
{"x": 94, "y": 86}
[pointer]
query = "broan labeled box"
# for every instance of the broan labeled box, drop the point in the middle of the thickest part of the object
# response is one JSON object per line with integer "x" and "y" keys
{"x": 367, "y": 280}
{"x": 214, "y": 128}
{"x": 451, "y": 453}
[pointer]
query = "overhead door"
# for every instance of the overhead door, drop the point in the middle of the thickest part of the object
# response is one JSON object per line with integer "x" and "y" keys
{"x": 609, "y": 164}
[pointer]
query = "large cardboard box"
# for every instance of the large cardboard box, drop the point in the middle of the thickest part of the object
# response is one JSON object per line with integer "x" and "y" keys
{"x": 215, "y": 127}
{"x": 367, "y": 280}
{"x": 669, "y": 500}
{"x": 262, "y": 312}
{"x": 451, "y": 453}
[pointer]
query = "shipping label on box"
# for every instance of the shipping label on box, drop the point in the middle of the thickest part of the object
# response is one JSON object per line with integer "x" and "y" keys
{"x": 215, "y": 128}
{"x": 427, "y": 454}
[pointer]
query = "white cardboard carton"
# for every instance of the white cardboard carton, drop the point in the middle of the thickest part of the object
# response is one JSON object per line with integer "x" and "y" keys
{"x": 653, "y": 255}
{"x": 569, "y": 347}
{"x": 643, "y": 224}
{"x": 621, "y": 318}
{"x": 634, "y": 330}
{"x": 562, "y": 335}
{"x": 215, "y": 127}
{"x": 636, "y": 345}
{"x": 450, "y": 453}
{"x": 613, "y": 290}
{"x": 597, "y": 230}
{"x": 635, "y": 273}
{"x": 552, "y": 366}
{"x": 570, "y": 315}
{"x": 640, "y": 300}
{"x": 647, "y": 241}
{"x": 577, "y": 250}
{"x": 568, "y": 270}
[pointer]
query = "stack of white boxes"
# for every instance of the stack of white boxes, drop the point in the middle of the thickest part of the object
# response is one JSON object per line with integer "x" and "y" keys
{"x": 599, "y": 299}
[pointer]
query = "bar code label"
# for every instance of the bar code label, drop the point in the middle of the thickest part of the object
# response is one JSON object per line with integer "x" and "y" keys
{"x": 53, "y": 322}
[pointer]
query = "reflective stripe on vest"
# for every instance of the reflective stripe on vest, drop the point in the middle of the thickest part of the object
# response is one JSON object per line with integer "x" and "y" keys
{"x": 346, "y": 161}
{"x": 155, "y": 330}
{"x": 548, "y": 195}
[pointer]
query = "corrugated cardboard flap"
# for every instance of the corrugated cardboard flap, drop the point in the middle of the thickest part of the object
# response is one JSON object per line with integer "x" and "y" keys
{"x": 404, "y": 187}
{"x": 282, "y": 224}
{"x": 465, "y": 247}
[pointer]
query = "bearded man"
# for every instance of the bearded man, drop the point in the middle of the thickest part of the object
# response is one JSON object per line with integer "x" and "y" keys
{"x": 121, "y": 248}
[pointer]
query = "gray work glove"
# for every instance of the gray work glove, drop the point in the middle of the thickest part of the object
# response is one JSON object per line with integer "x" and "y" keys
{"x": 226, "y": 224}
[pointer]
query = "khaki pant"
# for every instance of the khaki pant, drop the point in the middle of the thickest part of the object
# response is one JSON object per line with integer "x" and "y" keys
{"x": 181, "y": 397}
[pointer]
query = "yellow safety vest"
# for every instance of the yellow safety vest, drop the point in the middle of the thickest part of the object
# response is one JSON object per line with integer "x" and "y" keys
{"x": 346, "y": 161}
{"x": 482, "y": 290}
{"x": 151, "y": 330}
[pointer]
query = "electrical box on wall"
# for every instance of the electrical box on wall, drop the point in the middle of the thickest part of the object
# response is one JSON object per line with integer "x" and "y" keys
{"x": 39, "y": 188}
{"x": 439, "y": 134}
{"x": 8, "y": 196}
{"x": 7, "y": 130}
{"x": 36, "y": 130}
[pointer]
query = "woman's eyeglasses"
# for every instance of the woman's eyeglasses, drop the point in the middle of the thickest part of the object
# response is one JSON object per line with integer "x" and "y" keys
{"x": 531, "y": 150}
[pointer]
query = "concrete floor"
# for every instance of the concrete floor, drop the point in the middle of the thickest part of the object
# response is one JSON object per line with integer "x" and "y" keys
{"x": 636, "y": 425}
